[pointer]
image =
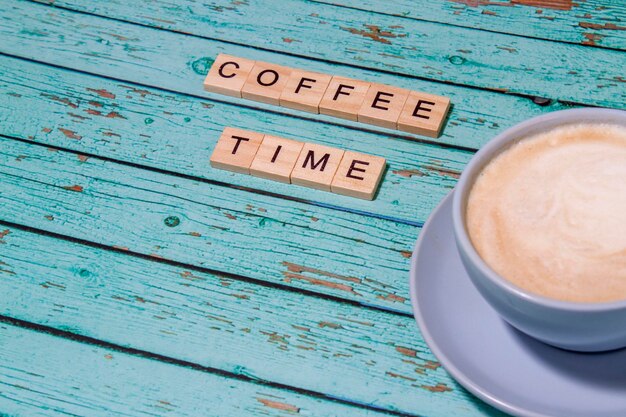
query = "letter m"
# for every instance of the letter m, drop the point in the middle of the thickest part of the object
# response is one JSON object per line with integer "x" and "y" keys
{"x": 310, "y": 157}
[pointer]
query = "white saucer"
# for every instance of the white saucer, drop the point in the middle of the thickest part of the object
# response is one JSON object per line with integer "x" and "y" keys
{"x": 500, "y": 365}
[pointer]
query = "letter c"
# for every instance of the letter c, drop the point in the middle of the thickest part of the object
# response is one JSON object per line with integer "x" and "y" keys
{"x": 221, "y": 69}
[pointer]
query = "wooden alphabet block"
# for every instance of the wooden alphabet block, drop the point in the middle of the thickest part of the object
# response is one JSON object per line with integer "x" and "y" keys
{"x": 236, "y": 149}
{"x": 358, "y": 175}
{"x": 227, "y": 75}
{"x": 266, "y": 82}
{"x": 276, "y": 158}
{"x": 344, "y": 97}
{"x": 423, "y": 114}
{"x": 316, "y": 166}
{"x": 382, "y": 105}
{"x": 304, "y": 90}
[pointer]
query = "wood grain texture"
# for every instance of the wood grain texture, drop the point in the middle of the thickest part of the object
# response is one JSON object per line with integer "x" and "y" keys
{"x": 36, "y": 379}
{"x": 416, "y": 48}
{"x": 266, "y": 238}
{"x": 179, "y": 63}
{"x": 343, "y": 351}
{"x": 598, "y": 23}
{"x": 175, "y": 133}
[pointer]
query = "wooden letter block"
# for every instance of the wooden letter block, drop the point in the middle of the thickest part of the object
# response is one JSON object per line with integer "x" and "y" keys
{"x": 382, "y": 105}
{"x": 304, "y": 90}
{"x": 316, "y": 166}
{"x": 276, "y": 158}
{"x": 344, "y": 97}
{"x": 227, "y": 75}
{"x": 236, "y": 149}
{"x": 266, "y": 82}
{"x": 358, "y": 175}
{"x": 423, "y": 114}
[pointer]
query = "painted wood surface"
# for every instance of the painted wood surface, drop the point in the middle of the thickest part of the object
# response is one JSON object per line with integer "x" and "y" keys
{"x": 197, "y": 223}
{"x": 242, "y": 294}
{"x": 48, "y": 376}
{"x": 177, "y": 62}
{"x": 177, "y": 134}
{"x": 598, "y": 23}
{"x": 448, "y": 54}
{"x": 338, "y": 349}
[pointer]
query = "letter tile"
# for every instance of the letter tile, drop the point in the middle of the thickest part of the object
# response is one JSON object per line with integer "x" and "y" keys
{"x": 344, "y": 97}
{"x": 227, "y": 75}
{"x": 423, "y": 114}
{"x": 382, "y": 105}
{"x": 236, "y": 149}
{"x": 358, "y": 175}
{"x": 266, "y": 82}
{"x": 304, "y": 90}
{"x": 276, "y": 158}
{"x": 316, "y": 166}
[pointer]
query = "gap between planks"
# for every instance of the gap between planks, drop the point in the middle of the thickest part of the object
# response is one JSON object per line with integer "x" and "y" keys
{"x": 233, "y": 276}
{"x": 418, "y": 224}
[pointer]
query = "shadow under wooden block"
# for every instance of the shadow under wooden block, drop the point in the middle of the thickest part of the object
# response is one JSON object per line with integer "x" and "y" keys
{"x": 276, "y": 158}
{"x": 316, "y": 166}
{"x": 382, "y": 105}
{"x": 266, "y": 82}
{"x": 423, "y": 114}
{"x": 227, "y": 75}
{"x": 358, "y": 175}
{"x": 344, "y": 97}
{"x": 304, "y": 90}
{"x": 236, "y": 149}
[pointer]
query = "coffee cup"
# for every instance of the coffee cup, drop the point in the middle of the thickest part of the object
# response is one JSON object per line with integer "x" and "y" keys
{"x": 571, "y": 325}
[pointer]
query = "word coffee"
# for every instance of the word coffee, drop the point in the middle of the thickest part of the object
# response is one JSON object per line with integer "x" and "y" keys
{"x": 372, "y": 103}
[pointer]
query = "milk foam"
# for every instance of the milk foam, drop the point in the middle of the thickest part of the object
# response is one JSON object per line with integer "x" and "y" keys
{"x": 549, "y": 213}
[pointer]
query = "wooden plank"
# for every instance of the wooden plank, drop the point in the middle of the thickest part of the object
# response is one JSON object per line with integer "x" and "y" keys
{"x": 416, "y": 48}
{"x": 179, "y": 63}
{"x": 176, "y": 133}
{"x": 266, "y": 238}
{"x": 35, "y": 380}
{"x": 597, "y": 23}
{"x": 337, "y": 349}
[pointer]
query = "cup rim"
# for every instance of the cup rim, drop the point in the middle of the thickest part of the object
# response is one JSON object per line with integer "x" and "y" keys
{"x": 486, "y": 154}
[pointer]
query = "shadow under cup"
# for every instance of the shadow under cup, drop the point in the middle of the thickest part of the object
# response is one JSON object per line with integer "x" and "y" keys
{"x": 575, "y": 326}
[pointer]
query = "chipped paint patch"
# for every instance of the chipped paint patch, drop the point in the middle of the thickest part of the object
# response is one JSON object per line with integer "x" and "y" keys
{"x": 58, "y": 99}
{"x": 315, "y": 281}
{"x": 70, "y": 134}
{"x": 407, "y": 351}
{"x": 436, "y": 388}
{"x": 298, "y": 269}
{"x": 277, "y": 405}
{"x": 396, "y": 375}
{"x": 408, "y": 173}
{"x": 392, "y": 297}
{"x": 75, "y": 188}
{"x": 548, "y": 4}
{"x": 597, "y": 26}
{"x": 102, "y": 92}
{"x": 592, "y": 38}
{"x": 444, "y": 172}
{"x": 323, "y": 324}
{"x": 375, "y": 33}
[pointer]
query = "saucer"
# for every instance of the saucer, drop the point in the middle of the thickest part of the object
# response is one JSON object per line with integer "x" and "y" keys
{"x": 494, "y": 361}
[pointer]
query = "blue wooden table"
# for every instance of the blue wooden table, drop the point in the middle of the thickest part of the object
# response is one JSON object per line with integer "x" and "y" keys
{"x": 136, "y": 280}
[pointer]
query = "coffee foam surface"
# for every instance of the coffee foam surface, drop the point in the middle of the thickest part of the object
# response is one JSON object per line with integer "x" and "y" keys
{"x": 549, "y": 213}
